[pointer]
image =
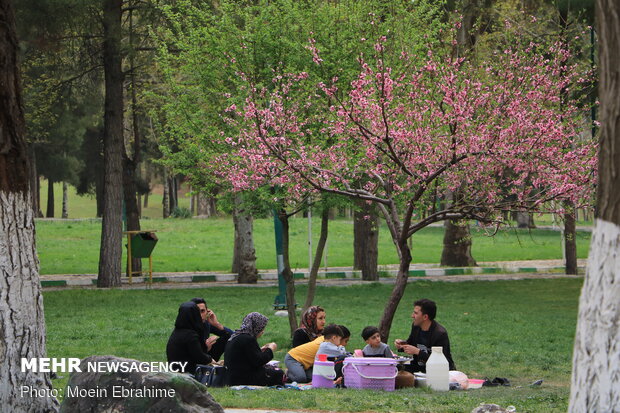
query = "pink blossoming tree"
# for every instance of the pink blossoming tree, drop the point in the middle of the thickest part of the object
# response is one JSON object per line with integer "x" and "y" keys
{"x": 496, "y": 131}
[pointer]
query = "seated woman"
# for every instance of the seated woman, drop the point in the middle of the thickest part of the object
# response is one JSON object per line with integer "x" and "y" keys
{"x": 187, "y": 341}
{"x": 312, "y": 323}
{"x": 244, "y": 358}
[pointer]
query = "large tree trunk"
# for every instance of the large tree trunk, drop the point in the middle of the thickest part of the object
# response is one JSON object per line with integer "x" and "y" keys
{"x": 49, "y": 213}
{"x": 132, "y": 212}
{"x": 596, "y": 355}
{"x": 244, "y": 257}
{"x": 22, "y": 320}
{"x": 397, "y": 292}
{"x": 318, "y": 256}
{"x": 287, "y": 274}
{"x": 570, "y": 239}
{"x": 65, "y": 200}
{"x": 457, "y": 245}
{"x": 366, "y": 241}
{"x": 111, "y": 233}
{"x": 131, "y": 165}
{"x": 457, "y": 238}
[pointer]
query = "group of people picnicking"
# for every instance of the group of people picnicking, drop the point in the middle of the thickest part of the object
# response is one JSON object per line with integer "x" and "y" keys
{"x": 199, "y": 338}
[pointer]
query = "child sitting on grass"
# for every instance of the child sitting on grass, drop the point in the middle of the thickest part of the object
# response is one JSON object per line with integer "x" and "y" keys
{"x": 335, "y": 338}
{"x": 374, "y": 347}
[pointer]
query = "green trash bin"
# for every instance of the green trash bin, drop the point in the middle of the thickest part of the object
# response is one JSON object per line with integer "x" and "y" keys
{"x": 142, "y": 244}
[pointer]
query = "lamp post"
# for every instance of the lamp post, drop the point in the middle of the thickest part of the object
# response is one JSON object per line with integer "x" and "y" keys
{"x": 280, "y": 301}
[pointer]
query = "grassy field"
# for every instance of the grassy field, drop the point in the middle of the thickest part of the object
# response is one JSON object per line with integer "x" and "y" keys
{"x": 86, "y": 207}
{"x": 72, "y": 247}
{"x": 522, "y": 330}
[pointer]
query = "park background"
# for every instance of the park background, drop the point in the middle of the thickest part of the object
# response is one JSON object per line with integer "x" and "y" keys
{"x": 519, "y": 329}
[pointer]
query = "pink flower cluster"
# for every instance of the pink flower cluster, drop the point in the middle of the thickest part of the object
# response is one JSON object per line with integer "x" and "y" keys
{"x": 505, "y": 135}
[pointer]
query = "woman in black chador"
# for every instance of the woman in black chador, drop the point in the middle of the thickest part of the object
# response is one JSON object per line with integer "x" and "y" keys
{"x": 187, "y": 341}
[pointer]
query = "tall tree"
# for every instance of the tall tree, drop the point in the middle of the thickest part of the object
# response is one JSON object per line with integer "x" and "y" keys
{"x": 22, "y": 321}
{"x": 401, "y": 132}
{"x": 457, "y": 239}
{"x": 113, "y": 147}
{"x": 596, "y": 355}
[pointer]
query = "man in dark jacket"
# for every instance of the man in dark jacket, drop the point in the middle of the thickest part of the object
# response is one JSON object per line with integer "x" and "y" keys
{"x": 216, "y": 343}
{"x": 425, "y": 334}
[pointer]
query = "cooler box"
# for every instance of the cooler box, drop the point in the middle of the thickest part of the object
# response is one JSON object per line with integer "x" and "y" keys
{"x": 323, "y": 374}
{"x": 370, "y": 373}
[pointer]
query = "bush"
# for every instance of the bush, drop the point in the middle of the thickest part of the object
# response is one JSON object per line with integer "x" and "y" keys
{"x": 181, "y": 213}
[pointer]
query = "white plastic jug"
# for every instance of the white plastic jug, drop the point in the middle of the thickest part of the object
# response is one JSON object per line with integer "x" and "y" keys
{"x": 437, "y": 370}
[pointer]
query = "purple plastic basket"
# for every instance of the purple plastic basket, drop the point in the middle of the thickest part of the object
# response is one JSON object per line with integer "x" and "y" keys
{"x": 370, "y": 373}
{"x": 321, "y": 380}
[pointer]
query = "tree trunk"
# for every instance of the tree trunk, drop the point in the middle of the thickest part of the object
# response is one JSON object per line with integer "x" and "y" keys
{"x": 166, "y": 198}
{"x": 22, "y": 320}
{"x": 65, "y": 201}
{"x": 316, "y": 263}
{"x": 524, "y": 220}
{"x": 287, "y": 274}
{"x": 132, "y": 212}
{"x": 34, "y": 182}
{"x": 49, "y": 213}
{"x": 173, "y": 193}
{"x": 99, "y": 195}
{"x": 457, "y": 245}
{"x": 366, "y": 241}
{"x": 456, "y": 240}
{"x": 397, "y": 292}
{"x": 244, "y": 259}
{"x": 596, "y": 354}
{"x": 147, "y": 179}
{"x": 111, "y": 233}
{"x": 205, "y": 205}
{"x": 570, "y": 239}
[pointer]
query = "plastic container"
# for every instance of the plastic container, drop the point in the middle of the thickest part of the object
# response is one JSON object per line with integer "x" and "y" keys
{"x": 437, "y": 370}
{"x": 323, "y": 374}
{"x": 370, "y": 373}
{"x": 420, "y": 379}
{"x": 475, "y": 383}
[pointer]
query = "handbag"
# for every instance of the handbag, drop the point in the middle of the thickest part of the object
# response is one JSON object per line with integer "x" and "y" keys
{"x": 211, "y": 375}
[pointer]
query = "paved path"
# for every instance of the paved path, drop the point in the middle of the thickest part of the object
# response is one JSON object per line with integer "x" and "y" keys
{"x": 489, "y": 271}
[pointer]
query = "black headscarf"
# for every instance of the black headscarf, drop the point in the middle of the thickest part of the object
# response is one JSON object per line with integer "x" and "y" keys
{"x": 189, "y": 319}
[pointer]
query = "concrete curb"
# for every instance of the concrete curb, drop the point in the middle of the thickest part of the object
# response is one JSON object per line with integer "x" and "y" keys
{"x": 89, "y": 280}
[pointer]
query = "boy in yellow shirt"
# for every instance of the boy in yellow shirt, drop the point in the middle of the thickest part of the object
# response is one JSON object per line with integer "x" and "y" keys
{"x": 299, "y": 361}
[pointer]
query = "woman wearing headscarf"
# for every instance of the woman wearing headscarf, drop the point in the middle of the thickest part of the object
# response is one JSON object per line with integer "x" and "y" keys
{"x": 246, "y": 360}
{"x": 187, "y": 341}
{"x": 311, "y": 326}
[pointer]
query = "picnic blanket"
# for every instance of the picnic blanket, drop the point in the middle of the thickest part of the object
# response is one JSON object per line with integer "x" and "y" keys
{"x": 292, "y": 386}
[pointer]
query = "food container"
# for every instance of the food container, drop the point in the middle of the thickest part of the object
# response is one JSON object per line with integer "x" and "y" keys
{"x": 370, "y": 373}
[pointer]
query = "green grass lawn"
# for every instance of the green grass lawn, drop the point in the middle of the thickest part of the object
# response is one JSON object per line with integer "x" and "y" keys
{"x": 72, "y": 247}
{"x": 86, "y": 207}
{"x": 522, "y": 330}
